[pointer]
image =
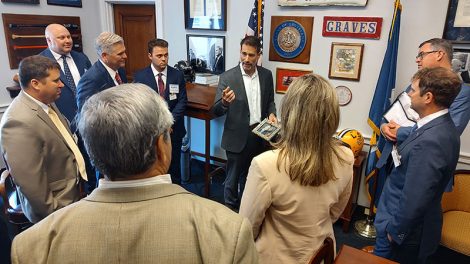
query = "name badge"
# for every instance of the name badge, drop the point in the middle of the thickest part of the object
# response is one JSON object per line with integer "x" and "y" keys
{"x": 172, "y": 96}
{"x": 174, "y": 88}
{"x": 395, "y": 156}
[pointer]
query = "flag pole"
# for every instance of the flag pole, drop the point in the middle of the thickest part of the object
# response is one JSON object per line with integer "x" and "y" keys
{"x": 365, "y": 227}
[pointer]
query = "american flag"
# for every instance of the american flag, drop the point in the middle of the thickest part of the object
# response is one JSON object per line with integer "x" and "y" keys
{"x": 255, "y": 23}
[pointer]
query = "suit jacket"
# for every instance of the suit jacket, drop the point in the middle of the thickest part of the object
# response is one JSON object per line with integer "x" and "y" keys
{"x": 178, "y": 105}
{"x": 38, "y": 157}
{"x": 67, "y": 102}
{"x": 95, "y": 80}
{"x": 139, "y": 225}
{"x": 290, "y": 221}
{"x": 237, "y": 122}
{"x": 413, "y": 191}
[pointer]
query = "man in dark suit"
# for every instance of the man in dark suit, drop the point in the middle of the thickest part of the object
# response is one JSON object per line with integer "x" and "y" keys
{"x": 60, "y": 43}
{"x": 37, "y": 143}
{"x": 169, "y": 83}
{"x": 219, "y": 63}
{"x": 108, "y": 71}
{"x": 409, "y": 215}
{"x": 246, "y": 95}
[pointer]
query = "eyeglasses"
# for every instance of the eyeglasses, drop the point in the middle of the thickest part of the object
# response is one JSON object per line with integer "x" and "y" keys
{"x": 422, "y": 54}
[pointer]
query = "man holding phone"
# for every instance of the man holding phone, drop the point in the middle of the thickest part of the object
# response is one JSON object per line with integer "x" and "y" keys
{"x": 246, "y": 95}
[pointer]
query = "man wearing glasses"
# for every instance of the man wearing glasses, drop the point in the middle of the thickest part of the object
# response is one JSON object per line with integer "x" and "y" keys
{"x": 432, "y": 53}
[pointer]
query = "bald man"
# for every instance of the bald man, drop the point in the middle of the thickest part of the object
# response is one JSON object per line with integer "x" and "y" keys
{"x": 73, "y": 65}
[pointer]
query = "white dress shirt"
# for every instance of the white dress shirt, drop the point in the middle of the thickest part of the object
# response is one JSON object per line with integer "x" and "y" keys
{"x": 160, "y": 179}
{"x": 71, "y": 63}
{"x": 253, "y": 95}
{"x": 111, "y": 72}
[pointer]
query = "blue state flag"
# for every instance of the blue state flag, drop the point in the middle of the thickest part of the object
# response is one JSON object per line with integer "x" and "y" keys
{"x": 380, "y": 103}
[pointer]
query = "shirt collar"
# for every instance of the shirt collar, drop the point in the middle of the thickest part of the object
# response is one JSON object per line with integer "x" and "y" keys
{"x": 110, "y": 71}
{"x": 423, "y": 121}
{"x": 44, "y": 106}
{"x": 57, "y": 56}
{"x": 155, "y": 72}
{"x": 255, "y": 74}
{"x": 159, "y": 179}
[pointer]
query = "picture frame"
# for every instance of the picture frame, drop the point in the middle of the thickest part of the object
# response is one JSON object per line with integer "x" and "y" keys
{"x": 457, "y": 25}
{"x": 71, "y": 3}
{"x": 461, "y": 63}
{"x": 205, "y": 14}
{"x": 284, "y": 78}
{"x": 266, "y": 130}
{"x": 202, "y": 53}
{"x": 31, "y": 2}
{"x": 346, "y": 61}
{"x": 291, "y": 39}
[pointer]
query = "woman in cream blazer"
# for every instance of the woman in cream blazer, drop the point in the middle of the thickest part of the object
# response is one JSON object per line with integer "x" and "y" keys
{"x": 296, "y": 192}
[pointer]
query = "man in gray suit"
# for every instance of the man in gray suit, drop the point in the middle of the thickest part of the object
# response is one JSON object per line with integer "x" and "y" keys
{"x": 38, "y": 149}
{"x": 137, "y": 215}
{"x": 246, "y": 95}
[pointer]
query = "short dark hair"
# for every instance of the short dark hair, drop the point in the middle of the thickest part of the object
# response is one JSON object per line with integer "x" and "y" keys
{"x": 443, "y": 83}
{"x": 35, "y": 67}
{"x": 440, "y": 44}
{"x": 157, "y": 43}
{"x": 251, "y": 41}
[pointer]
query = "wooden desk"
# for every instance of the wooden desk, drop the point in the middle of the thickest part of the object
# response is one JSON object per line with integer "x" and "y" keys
{"x": 352, "y": 202}
{"x": 352, "y": 255}
{"x": 200, "y": 101}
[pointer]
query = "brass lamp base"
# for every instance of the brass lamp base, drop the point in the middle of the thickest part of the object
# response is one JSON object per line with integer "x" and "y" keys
{"x": 365, "y": 228}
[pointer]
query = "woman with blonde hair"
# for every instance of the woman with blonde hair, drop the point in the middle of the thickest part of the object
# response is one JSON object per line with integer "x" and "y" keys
{"x": 296, "y": 192}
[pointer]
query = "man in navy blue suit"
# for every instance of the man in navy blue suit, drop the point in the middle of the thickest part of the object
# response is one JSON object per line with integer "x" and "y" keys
{"x": 409, "y": 215}
{"x": 60, "y": 43}
{"x": 169, "y": 83}
{"x": 108, "y": 71}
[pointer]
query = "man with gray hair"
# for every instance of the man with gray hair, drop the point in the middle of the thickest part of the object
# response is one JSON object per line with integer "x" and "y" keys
{"x": 141, "y": 216}
{"x": 108, "y": 71}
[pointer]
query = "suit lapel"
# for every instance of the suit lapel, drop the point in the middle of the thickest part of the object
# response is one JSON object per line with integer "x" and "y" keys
{"x": 262, "y": 83}
{"x": 417, "y": 133}
{"x": 78, "y": 62}
{"x": 241, "y": 86}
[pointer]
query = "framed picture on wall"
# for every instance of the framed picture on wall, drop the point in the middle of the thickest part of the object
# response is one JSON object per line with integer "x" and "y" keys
{"x": 457, "y": 25}
{"x": 72, "y": 3}
{"x": 284, "y": 78}
{"x": 346, "y": 61}
{"x": 33, "y": 2}
{"x": 461, "y": 63}
{"x": 206, "y": 53}
{"x": 205, "y": 14}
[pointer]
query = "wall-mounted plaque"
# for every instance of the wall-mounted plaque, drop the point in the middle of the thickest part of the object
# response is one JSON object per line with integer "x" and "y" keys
{"x": 352, "y": 27}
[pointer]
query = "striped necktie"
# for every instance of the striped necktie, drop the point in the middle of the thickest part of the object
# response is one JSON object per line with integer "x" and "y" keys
{"x": 68, "y": 75}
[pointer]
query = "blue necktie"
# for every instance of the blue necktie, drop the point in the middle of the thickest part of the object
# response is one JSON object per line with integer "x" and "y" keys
{"x": 68, "y": 75}
{"x": 413, "y": 129}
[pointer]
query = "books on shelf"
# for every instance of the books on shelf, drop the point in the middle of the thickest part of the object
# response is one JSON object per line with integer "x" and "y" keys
{"x": 206, "y": 78}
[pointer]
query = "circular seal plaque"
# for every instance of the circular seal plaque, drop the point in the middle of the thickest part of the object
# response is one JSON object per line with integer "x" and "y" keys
{"x": 289, "y": 39}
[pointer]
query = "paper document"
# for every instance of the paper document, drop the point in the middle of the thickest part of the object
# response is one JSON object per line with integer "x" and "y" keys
{"x": 400, "y": 111}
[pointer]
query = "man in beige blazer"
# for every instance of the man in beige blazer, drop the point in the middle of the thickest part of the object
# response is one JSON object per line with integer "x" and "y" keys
{"x": 40, "y": 160}
{"x": 135, "y": 215}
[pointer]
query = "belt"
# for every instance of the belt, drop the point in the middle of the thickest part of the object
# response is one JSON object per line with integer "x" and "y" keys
{"x": 253, "y": 126}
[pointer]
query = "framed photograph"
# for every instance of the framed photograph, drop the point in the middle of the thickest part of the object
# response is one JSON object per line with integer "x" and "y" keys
{"x": 205, "y": 14}
{"x": 206, "y": 53}
{"x": 32, "y": 2}
{"x": 457, "y": 25}
{"x": 461, "y": 63}
{"x": 291, "y": 39}
{"x": 284, "y": 78}
{"x": 72, "y": 3}
{"x": 346, "y": 61}
{"x": 266, "y": 130}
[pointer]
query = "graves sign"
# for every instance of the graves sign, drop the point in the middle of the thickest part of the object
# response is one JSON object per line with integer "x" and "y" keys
{"x": 352, "y": 27}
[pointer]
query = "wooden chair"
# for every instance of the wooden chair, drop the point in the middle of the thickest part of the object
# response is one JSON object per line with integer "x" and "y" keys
{"x": 326, "y": 253}
{"x": 456, "y": 214}
{"x": 11, "y": 205}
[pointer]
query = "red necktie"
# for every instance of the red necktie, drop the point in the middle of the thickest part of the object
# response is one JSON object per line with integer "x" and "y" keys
{"x": 118, "y": 78}
{"x": 161, "y": 85}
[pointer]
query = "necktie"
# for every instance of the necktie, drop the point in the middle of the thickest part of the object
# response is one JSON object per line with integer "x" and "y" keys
{"x": 70, "y": 142}
{"x": 118, "y": 78}
{"x": 413, "y": 128}
{"x": 161, "y": 85}
{"x": 68, "y": 75}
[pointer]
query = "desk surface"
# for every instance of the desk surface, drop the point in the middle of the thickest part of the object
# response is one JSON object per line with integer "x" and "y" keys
{"x": 352, "y": 255}
{"x": 200, "y": 96}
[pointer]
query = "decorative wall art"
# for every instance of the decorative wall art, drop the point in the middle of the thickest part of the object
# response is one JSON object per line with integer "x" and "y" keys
{"x": 461, "y": 63}
{"x": 322, "y": 2}
{"x": 291, "y": 39}
{"x": 344, "y": 95}
{"x": 24, "y": 34}
{"x": 33, "y": 2}
{"x": 284, "y": 78}
{"x": 205, "y": 14}
{"x": 206, "y": 53}
{"x": 457, "y": 27}
{"x": 352, "y": 27}
{"x": 72, "y": 3}
{"x": 346, "y": 61}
